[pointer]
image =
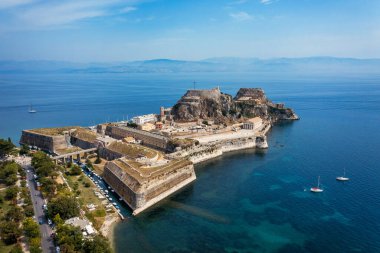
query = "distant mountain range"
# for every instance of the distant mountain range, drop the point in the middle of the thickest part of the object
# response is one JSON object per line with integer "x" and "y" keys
{"x": 225, "y": 64}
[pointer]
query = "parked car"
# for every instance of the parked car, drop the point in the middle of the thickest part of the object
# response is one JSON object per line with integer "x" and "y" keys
{"x": 50, "y": 222}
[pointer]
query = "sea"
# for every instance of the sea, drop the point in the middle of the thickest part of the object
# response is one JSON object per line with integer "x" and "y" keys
{"x": 244, "y": 201}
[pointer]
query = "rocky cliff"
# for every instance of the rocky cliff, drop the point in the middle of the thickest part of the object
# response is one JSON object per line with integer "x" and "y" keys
{"x": 202, "y": 104}
{"x": 215, "y": 105}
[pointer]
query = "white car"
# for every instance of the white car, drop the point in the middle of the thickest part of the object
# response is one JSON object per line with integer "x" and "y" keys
{"x": 50, "y": 222}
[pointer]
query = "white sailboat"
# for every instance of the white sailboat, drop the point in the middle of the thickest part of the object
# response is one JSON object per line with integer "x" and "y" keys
{"x": 317, "y": 189}
{"x": 343, "y": 178}
{"x": 31, "y": 110}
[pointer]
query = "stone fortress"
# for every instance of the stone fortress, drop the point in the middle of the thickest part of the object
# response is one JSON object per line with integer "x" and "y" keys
{"x": 152, "y": 156}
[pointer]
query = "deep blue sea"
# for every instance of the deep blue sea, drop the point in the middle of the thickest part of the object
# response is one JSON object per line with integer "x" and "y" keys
{"x": 246, "y": 201}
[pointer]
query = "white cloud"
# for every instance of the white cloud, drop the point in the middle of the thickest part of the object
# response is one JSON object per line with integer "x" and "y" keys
{"x": 52, "y": 14}
{"x": 238, "y": 2}
{"x": 266, "y": 1}
{"x": 128, "y": 9}
{"x": 241, "y": 16}
{"x": 4, "y": 4}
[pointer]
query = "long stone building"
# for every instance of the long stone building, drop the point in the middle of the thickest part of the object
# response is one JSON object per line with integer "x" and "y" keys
{"x": 147, "y": 138}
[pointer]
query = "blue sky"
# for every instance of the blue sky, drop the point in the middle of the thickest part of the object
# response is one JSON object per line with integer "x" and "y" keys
{"x": 125, "y": 30}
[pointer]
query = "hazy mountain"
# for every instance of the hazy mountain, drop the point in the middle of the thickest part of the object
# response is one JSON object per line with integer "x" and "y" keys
{"x": 223, "y": 64}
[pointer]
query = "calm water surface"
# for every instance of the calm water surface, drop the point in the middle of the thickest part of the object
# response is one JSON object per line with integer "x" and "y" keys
{"x": 247, "y": 201}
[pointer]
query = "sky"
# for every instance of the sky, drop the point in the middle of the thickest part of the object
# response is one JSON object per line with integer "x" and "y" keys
{"x": 127, "y": 30}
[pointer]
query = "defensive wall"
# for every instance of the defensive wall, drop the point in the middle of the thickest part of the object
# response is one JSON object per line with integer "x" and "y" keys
{"x": 149, "y": 139}
{"x": 142, "y": 187}
{"x": 204, "y": 152}
{"x": 48, "y": 143}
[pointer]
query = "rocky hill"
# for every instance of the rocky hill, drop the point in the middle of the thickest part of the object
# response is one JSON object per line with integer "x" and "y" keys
{"x": 215, "y": 105}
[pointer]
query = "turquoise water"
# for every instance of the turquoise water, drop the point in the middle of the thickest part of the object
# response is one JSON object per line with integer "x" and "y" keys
{"x": 246, "y": 201}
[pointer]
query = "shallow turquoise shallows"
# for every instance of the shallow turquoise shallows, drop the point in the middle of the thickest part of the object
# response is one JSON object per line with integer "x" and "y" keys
{"x": 246, "y": 201}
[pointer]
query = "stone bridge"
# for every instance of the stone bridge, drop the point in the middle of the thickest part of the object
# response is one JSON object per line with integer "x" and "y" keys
{"x": 70, "y": 156}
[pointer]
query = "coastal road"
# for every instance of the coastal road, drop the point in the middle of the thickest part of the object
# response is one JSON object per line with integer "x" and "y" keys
{"x": 37, "y": 200}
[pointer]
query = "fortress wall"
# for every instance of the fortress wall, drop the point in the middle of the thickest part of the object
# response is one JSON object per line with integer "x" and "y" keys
{"x": 44, "y": 142}
{"x": 123, "y": 184}
{"x": 83, "y": 144}
{"x": 108, "y": 154}
{"x": 206, "y": 152}
{"x": 166, "y": 184}
{"x": 147, "y": 138}
{"x": 141, "y": 196}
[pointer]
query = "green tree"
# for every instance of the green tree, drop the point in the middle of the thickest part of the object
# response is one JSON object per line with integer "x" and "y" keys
{"x": 71, "y": 236}
{"x": 16, "y": 249}
{"x": 48, "y": 186}
{"x": 98, "y": 160}
{"x": 98, "y": 244}
{"x": 8, "y": 172}
{"x": 11, "y": 193}
{"x": 11, "y": 180}
{"x": 24, "y": 150}
{"x": 22, "y": 173}
{"x": 35, "y": 245}
{"x": 6, "y": 147}
{"x": 15, "y": 213}
{"x": 75, "y": 170}
{"x": 31, "y": 228}
{"x": 66, "y": 206}
{"x": 89, "y": 163}
{"x": 43, "y": 164}
{"x": 132, "y": 124}
{"x": 57, "y": 219}
{"x": 28, "y": 211}
{"x": 67, "y": 248}
{"x": 9, "y": 232}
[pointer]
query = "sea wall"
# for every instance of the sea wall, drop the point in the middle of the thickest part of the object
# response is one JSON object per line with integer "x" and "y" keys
{"x": 44, "y": 142}
{"x": 204, "y": 152}
{"x": 141, "y": 194}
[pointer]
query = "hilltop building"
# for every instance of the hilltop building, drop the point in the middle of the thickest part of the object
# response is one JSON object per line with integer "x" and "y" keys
{"x": 140, "y": 120}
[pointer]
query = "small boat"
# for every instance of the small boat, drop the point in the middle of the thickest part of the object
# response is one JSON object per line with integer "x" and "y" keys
{"x": 31, "y": 110}
{"x": 316, "y": 189}
{"x": 343, "y": 178}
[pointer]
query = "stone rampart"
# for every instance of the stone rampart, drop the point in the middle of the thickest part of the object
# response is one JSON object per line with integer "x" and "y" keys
{"x": 83, "y": 144}
{"x": 140, "y": 193}
{"x": 149, "y": 139}
{"x": 205, "y": 152}
{"x": 44, "y": 142}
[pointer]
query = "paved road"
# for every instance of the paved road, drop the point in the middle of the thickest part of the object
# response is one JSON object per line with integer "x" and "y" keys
{"x": 46, "y": 241}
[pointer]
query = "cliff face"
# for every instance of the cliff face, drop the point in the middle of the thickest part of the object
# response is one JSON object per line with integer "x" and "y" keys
{"x": 214, "y": 105}
{"x": 202, "y": 104}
